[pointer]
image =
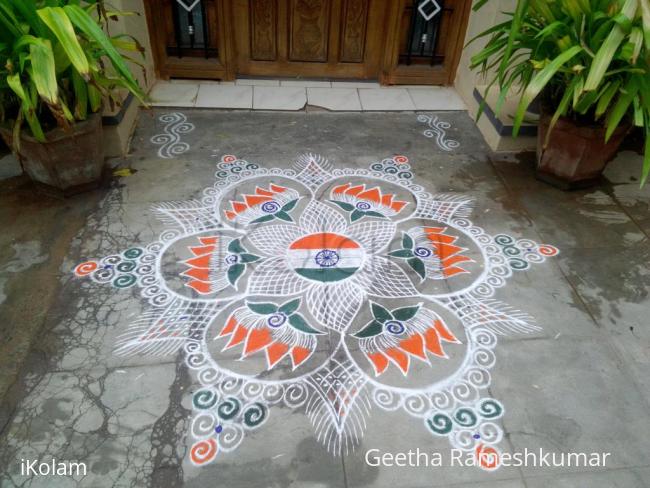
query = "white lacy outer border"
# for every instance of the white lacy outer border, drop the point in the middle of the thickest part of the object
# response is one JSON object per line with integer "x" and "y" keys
{"x": 455, "y": 407}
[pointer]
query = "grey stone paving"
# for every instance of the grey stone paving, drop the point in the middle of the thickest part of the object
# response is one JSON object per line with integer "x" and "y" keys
{"x": 580, "y": 384}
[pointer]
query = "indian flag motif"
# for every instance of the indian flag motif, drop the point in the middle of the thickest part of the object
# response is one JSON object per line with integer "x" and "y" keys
{"x": 325, "y": 257}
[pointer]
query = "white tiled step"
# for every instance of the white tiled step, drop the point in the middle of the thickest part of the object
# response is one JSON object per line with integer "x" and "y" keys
{"x": 291, "y": 95}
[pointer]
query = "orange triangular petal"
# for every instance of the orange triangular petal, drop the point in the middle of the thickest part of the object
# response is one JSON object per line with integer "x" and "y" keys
{"x": 201, "y": 274}
{"x": 432, "y": 342}
{"x": 230, "y": 215}
{"x": 201, "y": 250}
{"x": 355, "y": 189}
{"x": 257, "y": 339}
{"x": 275, "y": 352}
{"x": 387, "y": 200}
{"x": 374, "y": 195}
{"x": 379, "y": 362}
{"x": 255, "y": 199}
{"x": 201, "y": 286}
{"x": 398, "y": 205}
{"x": 444, "y": 332}
{"x": 277, "y": 189}
{"x": 414, "y": 345}
{"x": 238, "y": 207}
{"x": 229, "y": 327}
{"x": 208, "y": 240}
{"x": 199, "y": 262}
{"x": 401, "y": 359}
{"x": 450, "y": 261}
{"x": 299, "y": 355}
{"x": 340, "y": 189}
{"x": 238, "y": 337}
{"x": 453, "y": 271}
{"x": 262, "y": 191}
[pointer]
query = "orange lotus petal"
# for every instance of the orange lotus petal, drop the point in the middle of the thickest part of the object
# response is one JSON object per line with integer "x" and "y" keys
{"x": 275, "y": 352}
{"x": 199, "y": 262}
{"x": 201, "y": 250}
{"x": 414, "y": 345}
{"x": 257, "y": 339}
{"x": 230, "y": 215}
{"x": 201, "y": 286}
{"x": 398, "y": 205}
{"x": 401, "y": 359}
{"x": 379, "y": 362}
{"x": 442, "y": 238}
{"x": 262, "y": 191}
{"x": 453, "y": 271}
{"x": 229, "y": 327}
{"x": 238, "y": 337}
{"x": 450, "y": 261}
{"x": 208, "y": 240}
{"x": 299, "y": 355}
{"x": 277, "y": 189}
{"x": 255, "y": 199}
{"x": 201, "y": 274}
{"x": 238, "y": 207}
{"x": 434, "y": 230}
{"x": 446, "y": 251}
{"x": 340, "y": 189}
{"x": 374, "y": 195}
{"x": 444, "y": 332}
{"x": 387, "y": 200}
{"x": 355, "y": 190}
{"x": 432, "y": 342}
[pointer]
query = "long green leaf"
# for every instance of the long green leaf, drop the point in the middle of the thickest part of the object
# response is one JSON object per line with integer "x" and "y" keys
{"x": 646, "y": 159}
{"x": 27, "y": 109}
{"x": 80, "y": 88}
{"x": 621, "y": 107}
{"x": 538, "y": 82}
{"x": 606, "y": 98}
{"x": 44, "y": 71}
{"x": 59, "y": 23}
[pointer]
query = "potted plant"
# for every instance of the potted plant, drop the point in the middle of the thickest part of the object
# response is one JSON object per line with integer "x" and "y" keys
{"x": 587, "y": 62}
{"x": 57, "y": 65}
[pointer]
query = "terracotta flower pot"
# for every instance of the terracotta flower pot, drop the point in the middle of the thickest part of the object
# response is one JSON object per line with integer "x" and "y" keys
{"x": 575, "y": 156}
{"x": 68, "y": 162}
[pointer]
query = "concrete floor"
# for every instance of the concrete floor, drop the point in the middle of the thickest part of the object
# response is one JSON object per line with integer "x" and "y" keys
{"x": 580, "y": 384}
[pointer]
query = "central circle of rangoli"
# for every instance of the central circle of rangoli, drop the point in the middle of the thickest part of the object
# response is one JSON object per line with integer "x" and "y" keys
{"x": 280, "y": 263}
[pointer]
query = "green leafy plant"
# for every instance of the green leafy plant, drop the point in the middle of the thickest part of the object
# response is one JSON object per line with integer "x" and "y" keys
{"x": 587, "y": 60}
{"x": 57, "y": 63}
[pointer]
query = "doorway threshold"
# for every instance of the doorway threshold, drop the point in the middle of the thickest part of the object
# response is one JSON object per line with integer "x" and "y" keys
{"x": 295, "y": 95}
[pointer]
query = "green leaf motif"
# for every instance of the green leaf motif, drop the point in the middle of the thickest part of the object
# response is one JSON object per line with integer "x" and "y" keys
{"x": 372, "y": 329}
{"x": 236, "y": 247}
{"x": 264, "y": 218}
{"x": 289, "y": 206}
{"x": 405, "y": 313}
{"x": 372, "y": 213}
{"x": 401, "y": 253}
{"x": 348, "y": 207}
{"x": 284, "y": 216}
{"x": 290, "y": 307}
{"x": 248, "y": 258}
{"x": 298, "y": 323}
{"x": 235, "y": 272}
{"x": 356, "y": 215}
{"x": 407, "y": 241}
{"x": 263, "y": 308}
{"x": 380, "y": 313}
{"x": 418, "y": 266}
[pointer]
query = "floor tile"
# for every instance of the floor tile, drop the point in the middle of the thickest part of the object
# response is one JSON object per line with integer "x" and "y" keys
{"x": 381, "y": 99}
{"x": 166, "y": 94}
{"x": 306, "y": 83}
{"x": 224, "y": 96}
{"x": 355, "y": 84}
{"x": 436, "y": 98}
{"x": 256, "y": 82}
{"x": 279, "y": 98}
{"x": 334, "y": 98}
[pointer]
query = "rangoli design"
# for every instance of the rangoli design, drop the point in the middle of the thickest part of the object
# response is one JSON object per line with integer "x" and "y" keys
{"x": 170, "y": 142}
{"x": 438, "y": 131}
{"x": 328, "y": 291}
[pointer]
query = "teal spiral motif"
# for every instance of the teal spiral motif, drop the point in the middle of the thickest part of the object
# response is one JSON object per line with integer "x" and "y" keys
{"x": 229, "y": 408}
{"x": 126, "y": 266}
{"x": 504, "y": 240}
{"x": 518, "y": 264}
{"x": 377, "y": 167}
{"x": 124, "y": 281}
{"x": 440, "y": 424}
{"x": 465, "y": 417}
{"x": 204, "y": 399}
{"x": 254, "y": 415}
{"x": 490, "y": 409}
{"x": 133, "y": 253}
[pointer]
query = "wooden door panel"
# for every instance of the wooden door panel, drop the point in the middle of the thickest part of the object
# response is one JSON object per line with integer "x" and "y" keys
{"x": 309, "y": 22}
{"x": 263, "y": 30}
{"x": 354, "y": 20}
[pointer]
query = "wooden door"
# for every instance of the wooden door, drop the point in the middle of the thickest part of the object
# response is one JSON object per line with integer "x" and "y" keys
{"x": 309, "y": 38}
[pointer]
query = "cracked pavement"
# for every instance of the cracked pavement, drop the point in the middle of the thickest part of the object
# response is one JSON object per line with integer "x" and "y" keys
{"x": 581, "y": 384}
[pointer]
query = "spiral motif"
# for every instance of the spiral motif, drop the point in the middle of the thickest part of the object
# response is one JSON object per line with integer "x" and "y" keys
{"x": 229, "y": 408}
{"x": 465, "y": 417}
{"x": 296, "y": 395}
{"x": 270, "y": 207}
{"x": 86, "y": 268}
{"x": 503, "y": 240}
{"x": 464, "y": 392}
{"x": 230, "y": 386}
{"x": 147, "y": 280}
{"x": 405, "y": 175}
{"x": 518, "y": 264}
{"x": 547, "y": 250}
{"x": 441, "y": 400}
{"x": 377, "y": 167}
{"x": 252, "y": 390}
{"x": 422, "y": 252}
{"x": 490, "y": 433}
{"x": 462, "y": 439}
{"x": 230, "y": 437}
{"x": 273, "y": 393}
{"x": 416, "y": 404}
{"x": 255, "y": 415}
{"x": 478, "y": 378}
{"x": 204, "y": 399}
{"x": 160, "y": 300}
{"x": 484, "y": 358}
{"x": 126, "y": 266}
{"x": 490, "y": 408}
{"x": 386, "y": 399}
{"x": 391, "y": 170}
{"x": 208, "y": 375}
{"x": 401, "y": 159}
{"x": 169, "y": 140}
{"x": 511, "y": 251}
{"x": 133, "y": 253}
{"x": 484, "y": 337}
{"x": 533, "y": 257}
{"x": 145, "y": 269}
{"x": 203, "y": 452}
{"x": 125, "y": 281}
{"x": 203, "y": 425}
{"x": 440, "y": 424}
